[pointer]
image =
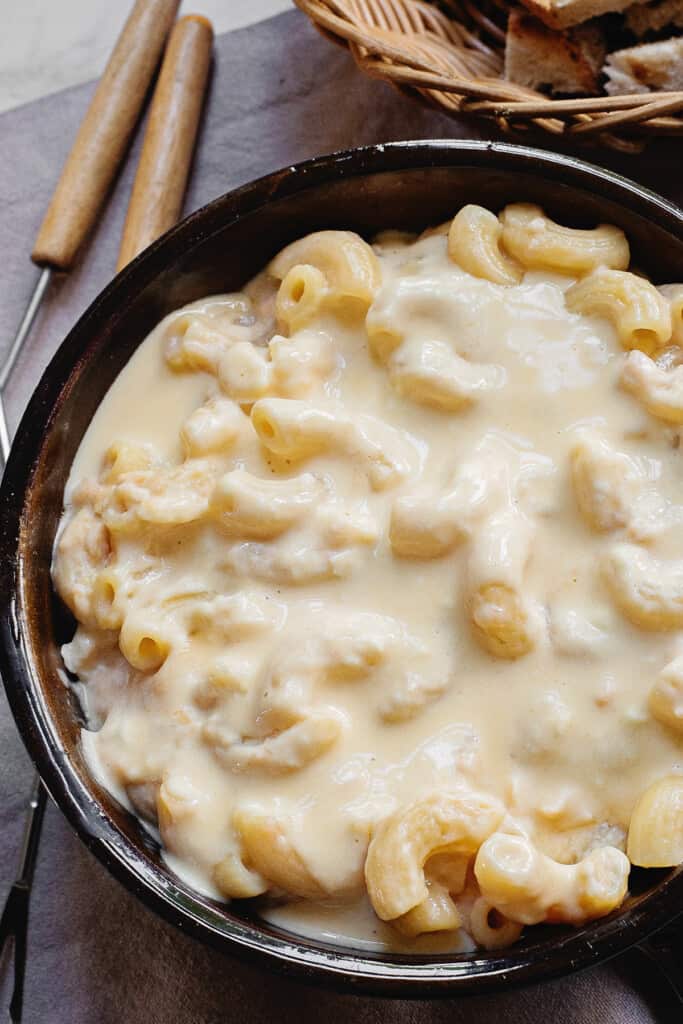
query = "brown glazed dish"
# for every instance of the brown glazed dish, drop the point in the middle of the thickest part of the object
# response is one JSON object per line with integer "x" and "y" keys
{"x": 402, "y": 185}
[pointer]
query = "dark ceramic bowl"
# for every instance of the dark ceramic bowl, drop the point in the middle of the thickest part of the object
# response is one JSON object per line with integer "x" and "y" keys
{"x": 403, "y": 185}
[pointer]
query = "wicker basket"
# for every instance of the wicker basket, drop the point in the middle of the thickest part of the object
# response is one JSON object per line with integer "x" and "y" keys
{"x": 455, "y": 63}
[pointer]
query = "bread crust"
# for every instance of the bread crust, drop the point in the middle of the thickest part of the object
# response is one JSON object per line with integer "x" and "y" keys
{"x": 567, "y": 63}
{"x": 654, "y": 17}
{"x": 648, "y": 67}
{"x": 561, "y": 14}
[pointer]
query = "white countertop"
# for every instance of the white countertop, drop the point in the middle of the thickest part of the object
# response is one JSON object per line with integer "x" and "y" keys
{"x": 47, "y": 45}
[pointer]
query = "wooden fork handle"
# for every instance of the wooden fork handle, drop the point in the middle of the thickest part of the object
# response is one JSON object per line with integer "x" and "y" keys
{"x": 159, "y": 188}
{"x": 104, "y": 134}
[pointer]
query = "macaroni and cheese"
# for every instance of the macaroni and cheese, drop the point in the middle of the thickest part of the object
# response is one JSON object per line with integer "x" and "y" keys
{"x": 378, "y": 573}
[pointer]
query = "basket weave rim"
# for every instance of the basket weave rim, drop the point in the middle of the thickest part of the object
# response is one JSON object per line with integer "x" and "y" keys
{"x": 454, "y": 61}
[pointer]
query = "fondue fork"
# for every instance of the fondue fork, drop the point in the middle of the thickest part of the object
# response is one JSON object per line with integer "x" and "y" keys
{"x": 155, "y": 205}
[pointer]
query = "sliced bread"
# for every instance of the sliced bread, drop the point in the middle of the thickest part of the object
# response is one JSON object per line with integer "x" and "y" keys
{"x": 646, "y": 68}
{"x": 538, "y": 57}
{"x": 565, "y": 13}
{"x": 644, "y": 18}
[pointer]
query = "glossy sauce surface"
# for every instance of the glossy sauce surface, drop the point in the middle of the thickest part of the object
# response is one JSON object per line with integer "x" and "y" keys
{"x": 562, "y": 735}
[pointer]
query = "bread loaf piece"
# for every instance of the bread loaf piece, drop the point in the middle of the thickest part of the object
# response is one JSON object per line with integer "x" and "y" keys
{"x": 561, "y": 14}
{"x": 644, "y": 18}
{"x": 646, "y": 68}
{"x": 540, "y": 58}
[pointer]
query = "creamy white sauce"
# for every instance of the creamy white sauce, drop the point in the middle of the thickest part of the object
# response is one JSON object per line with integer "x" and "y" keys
{"x": 562, "y": 735}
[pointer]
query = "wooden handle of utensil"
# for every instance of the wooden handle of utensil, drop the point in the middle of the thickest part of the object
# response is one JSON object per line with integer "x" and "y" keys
{"x": 104, "y": 134}
{"x": 159, "y": 188}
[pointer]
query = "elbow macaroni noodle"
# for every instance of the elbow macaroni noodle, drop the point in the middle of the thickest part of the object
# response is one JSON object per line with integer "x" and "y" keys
{"x": 528, "y": 886}
{"x": 655, "y": 834}
{"x": 659, "y": 390}
{"x": 440, "y": 822}
{"x": 496, "y": 602}
{"x": 430, "y": 373}
{"x": 646, "y": 590}
{"x": 474, "y": 239}
{"x": 378, "y": 580}
{"x": 673, "y": 293}
{"x": 641, "y": 316}
{"x": 605, "y": 483}
{"x": 539, "y": 243}
{"x": 348, "y": 272}
{"x": 666, "y": 696}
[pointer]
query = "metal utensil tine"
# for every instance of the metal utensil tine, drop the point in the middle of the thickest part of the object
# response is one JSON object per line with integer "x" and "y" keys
{"x": 21, "y": 893}
{"x": 20, "y": 896}
{"x": 34, "y": 822}
{"x": 26, "y": 324}
{"x": 178, "y": 102}
{"x": 4, "y": 434}
{"x": 14, "y": 930}
{"x": 14, "y": 922}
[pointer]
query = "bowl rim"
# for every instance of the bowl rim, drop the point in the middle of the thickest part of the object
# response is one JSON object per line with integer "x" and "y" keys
{"x": 347, "y": 969}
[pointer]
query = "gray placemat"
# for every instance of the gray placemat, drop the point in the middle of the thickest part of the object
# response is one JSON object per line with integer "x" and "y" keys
{"x": 280, "y": 93}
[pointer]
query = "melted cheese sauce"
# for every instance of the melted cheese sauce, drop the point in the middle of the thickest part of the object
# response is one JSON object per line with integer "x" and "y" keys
{"x": 562, "y": 735}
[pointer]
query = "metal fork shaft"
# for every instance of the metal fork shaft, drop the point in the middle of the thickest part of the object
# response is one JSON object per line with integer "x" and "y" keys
{"x": 14, "y": 921}
{"x": 14, "y": 350}
{"x": 14, "y": 932}
{"x": 26, "y": 324}
{"x": 34, "y": 821}
{"x": 4, "y": 434}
